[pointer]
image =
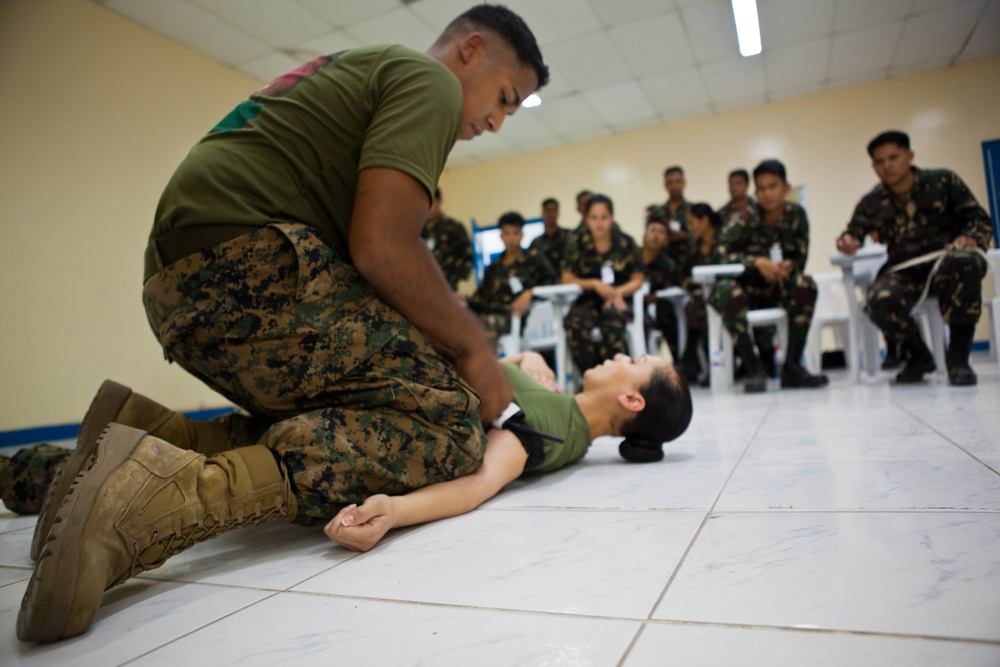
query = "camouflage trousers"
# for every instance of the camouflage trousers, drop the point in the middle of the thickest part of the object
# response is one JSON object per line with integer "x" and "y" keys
{"x": 733, "y": 297}
{"x": 25, "y": 476}
{"x": 697, "y": 316}
{"x": 594, "y": 334}
{"x": 957, "y": 284}
{"x": 279, "y": 324}
{"x": 665, "y": 323}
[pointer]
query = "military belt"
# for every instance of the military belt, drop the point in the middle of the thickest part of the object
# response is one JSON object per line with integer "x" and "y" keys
{"x": 179, "y": 243}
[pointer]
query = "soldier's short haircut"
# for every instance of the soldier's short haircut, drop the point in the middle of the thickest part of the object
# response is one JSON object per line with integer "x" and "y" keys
{"x": 583, "y": 193}
{"x": 742, "y": 173}
{"x": 901, "y": 139}
{"x": 599, "y": 199}
{"x": 511, "y": 28}
{"x": 655, "y": 214}
{"x": 672, "y": 169}
{"x": 773, "y": 167}
{"x": 703, "y": 210}
{"x": 511, "y": 219}
{"x": 550, "y": 200}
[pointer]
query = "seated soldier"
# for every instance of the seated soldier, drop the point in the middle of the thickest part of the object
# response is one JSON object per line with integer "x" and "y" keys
{"x": 771, "y": 240}
{"x": 935, "y": 232}
{"x": 509, "y": 279}
{"x": 661, "y": 272}
{"x": 705, "y": 227}
{"x": 552, "y": 243}
{"x": 449, "y": 242}
{"x": 643, "y": 399}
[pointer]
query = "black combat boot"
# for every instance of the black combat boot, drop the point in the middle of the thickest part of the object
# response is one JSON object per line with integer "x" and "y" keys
{"x": 920, "y": 361}
{"x": 957, "y": 357}
{"x": 793, "y": 375}
{"x": 756, "y": 380}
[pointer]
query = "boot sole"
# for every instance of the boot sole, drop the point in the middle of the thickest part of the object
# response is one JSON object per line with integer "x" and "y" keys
{"x": 105, "y": 407}
{"x": 48, "y": 604}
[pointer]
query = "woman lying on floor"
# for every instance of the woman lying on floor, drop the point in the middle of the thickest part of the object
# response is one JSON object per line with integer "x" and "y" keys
{"x": 644, "y": 400}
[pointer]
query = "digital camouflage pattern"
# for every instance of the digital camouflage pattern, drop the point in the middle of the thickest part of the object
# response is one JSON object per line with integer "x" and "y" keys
{"x": 495, "y": 294}
{"x": 729, "y": 211}
{"x": 937, "y": 209}
{"x": 279, "y": 324}
{"x": 552, "y": 248}
{"x": 747, "y": 237}
{"x": 25, "y": 476}
{"x": 587, "y": 313}
{"x": 449, "y": 242}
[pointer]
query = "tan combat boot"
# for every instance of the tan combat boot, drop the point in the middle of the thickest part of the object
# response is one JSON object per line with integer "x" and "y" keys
{"x": 119, "y": 404}
{"x": 141, "y": 501}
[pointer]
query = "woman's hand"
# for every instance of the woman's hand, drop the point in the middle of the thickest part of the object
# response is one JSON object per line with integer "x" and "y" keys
{"x": 361, "y": 528}
{"x": 533, "y": 365}
{"x": 604, "y": 290}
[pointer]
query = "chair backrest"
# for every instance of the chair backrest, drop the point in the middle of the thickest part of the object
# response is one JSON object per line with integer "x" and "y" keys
{"x": 637, "y": 328}
{"x": 541, "y": 331}
{"x": 994, "y": 256}
{"x": 868, "y": 262}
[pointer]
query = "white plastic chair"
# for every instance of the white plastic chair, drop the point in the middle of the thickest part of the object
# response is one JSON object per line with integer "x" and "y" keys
{"x": 720, "y": 344}
{"x": 993, "y": 305}
{"x": 559, "y": 297}
{"x": 636, "y": 329}
{"x": 932, "y": 326}
{"x": 831, "y": 312}
{"x": 678, "y": 299}
{"x": 540, "y": 334}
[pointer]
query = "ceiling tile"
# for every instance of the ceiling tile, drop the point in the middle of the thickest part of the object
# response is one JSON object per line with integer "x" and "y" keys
{"x": 570, "y": 114}
{"x": 740, "y": 102}
{"x": 796, "y": 65}
{"x": 341, "y": 14}
{"x": 398, "y": 27}
{"x": 802, "y": 90}
{"x": 587, "y": 135}
{"x": 903, "y": 70}
{"x": 936, "y": 35}
{"x": 653, "y": 45}
{"x": 986, "y": 39}
{"x": 920, "y": 6}
{"x": 734, "y": 79}
{"x": 857, "y": 79}
{"x": 270, "y": 67}
{"x": 676, "y": 92}
{"x": 280, "y": 23}
{"x": 791, "y": 21}
{"x": 690, "y": 112}
{"x": 437, "y": 14}
{"x": 854, "y": 14}
{"x": 559, "y": 86}
{"x": 621, "y": 106}
{"x": 711, "y": 30}
{"x": 192, "y": 26}
{"x": 525, "y": 129}
{"x": 492, "y": 146}
{"x": 332, "y": 42}
{"x": 616, "y": 13}
{"x": 587, "y": 62}
{"x": 866, "y": 50}
{"x": 553, "y": 21}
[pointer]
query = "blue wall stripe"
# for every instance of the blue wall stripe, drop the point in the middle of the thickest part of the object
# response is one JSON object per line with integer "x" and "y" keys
{"x": 27, "y": 436}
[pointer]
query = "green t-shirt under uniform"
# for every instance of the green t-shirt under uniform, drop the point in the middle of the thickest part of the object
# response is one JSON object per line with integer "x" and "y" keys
{"x": 292, "y": 151}
{"x": 554, "y": 414}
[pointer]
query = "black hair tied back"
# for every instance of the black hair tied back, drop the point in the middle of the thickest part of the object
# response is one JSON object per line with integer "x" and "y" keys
{"x": 639, "y": 450}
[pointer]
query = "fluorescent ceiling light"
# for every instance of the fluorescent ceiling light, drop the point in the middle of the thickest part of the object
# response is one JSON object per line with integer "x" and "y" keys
{"x": 747, "y": 27}
{"x": 531, "y": 100}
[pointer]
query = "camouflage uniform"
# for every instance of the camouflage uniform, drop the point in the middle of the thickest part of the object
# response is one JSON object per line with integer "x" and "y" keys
{"x": 25, "y": 476}
{"x": 595, "y": 333}
{"x": 937, "y": 209}
{"x": 552, "y": 248}
{"x": 497, "y": 291}
{"x": 748, "y": 237}
{"x": 662, "y": 273}
{"x": 677, "y": 250}
{"x": 449, "y": 242}
{"x": 697, "y": 318}
{"x": 282, "y": 326}
{"x": 730, "y": 212}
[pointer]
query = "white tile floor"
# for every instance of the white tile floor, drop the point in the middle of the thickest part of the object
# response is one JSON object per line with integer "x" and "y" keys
{"x": 854, "y": 526}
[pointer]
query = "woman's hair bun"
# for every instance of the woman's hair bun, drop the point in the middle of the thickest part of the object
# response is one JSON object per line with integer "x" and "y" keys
{"x": 640, "y": 450}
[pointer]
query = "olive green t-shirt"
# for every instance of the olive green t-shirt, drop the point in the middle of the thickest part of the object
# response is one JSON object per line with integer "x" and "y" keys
{"x": 292, "y": 151}
{"x": 554, "y": 414}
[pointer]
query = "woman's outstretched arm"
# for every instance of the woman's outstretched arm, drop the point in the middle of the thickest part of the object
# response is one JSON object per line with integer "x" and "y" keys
{"x": 359, "y": 528}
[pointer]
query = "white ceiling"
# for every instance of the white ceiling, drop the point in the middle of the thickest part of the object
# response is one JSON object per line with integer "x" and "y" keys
{"x": 617, "y": 65}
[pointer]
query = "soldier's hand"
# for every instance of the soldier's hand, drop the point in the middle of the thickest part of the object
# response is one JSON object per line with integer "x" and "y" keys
{"x": 768, "y": 269}
{"x": 482, "y": 370}
{"x": 964, "y": 242}
{"x": 605, "y": 291}
{"x": 847, "y": 244}
{"x": 361, "y": 528}
{"x": 521, "y": 304}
